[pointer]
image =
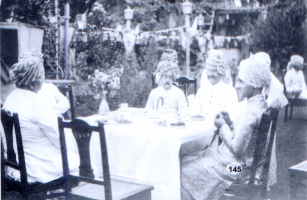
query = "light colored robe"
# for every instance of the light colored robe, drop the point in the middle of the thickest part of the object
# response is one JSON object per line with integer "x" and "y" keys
{"x": 40, "y": 137}
{"x": 294, "y": 80}
{"x": 173, "y": 99}
{"x": 51, "y": 96}
{"x": 206, "y": 177}
{"x": 211, "y": 100}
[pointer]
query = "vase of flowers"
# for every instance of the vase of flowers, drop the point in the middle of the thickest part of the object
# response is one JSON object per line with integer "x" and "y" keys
{"x": 105, "y": 83}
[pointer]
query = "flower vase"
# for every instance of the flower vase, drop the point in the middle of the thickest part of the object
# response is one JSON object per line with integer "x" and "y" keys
{"x": 104, "y": 107}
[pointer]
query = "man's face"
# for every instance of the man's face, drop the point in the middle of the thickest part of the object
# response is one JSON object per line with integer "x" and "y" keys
{"x": 297, "y": 67}
{"x": 213, "y": 76}
{"x": 167, "y": 80}
{"x": 244, "y": 90}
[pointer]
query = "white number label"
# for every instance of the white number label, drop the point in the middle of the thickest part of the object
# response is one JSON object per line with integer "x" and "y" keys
{"x": 234, "y": 168}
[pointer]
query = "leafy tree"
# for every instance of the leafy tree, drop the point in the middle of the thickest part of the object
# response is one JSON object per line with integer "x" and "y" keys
{"x": 282, "y": 33}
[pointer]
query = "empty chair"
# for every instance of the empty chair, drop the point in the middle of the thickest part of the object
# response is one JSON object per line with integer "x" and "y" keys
{"x": 95, "y": 188}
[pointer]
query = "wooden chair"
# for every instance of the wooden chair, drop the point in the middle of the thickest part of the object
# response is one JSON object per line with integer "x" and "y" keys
{"x": 66, "y": 90}
{"x": 182, "y": 82}
{"x": 25, "y": 188}
{"x": 96, "y": 188}
{"x": 262, "y": 157}
{"x": 153, "y": 81}
{"x": 293, "y": 102}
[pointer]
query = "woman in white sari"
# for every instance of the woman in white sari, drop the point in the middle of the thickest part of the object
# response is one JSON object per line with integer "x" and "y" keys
{"x": 207, "y": 176}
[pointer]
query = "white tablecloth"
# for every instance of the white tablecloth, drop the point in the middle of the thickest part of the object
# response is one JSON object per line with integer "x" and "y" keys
{"x": 145, "y": 152}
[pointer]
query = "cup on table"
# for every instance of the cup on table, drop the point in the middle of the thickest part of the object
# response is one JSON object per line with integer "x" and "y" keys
{"x": 124, "y": 106}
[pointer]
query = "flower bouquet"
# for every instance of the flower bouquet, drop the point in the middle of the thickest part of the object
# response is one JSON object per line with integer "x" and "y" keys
{"x": 105, "y": 83}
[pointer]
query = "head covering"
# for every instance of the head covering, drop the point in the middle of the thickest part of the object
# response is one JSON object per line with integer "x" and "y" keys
{"x": 216, "y": 61}
{"x": 296, "y": 60}
{"x": 263, "y": 57}
{"x": 255, "y": 72}
{"x": 168, "y": 62}
{"x": 274, "y": 92}
{"x": 29, "y": 69}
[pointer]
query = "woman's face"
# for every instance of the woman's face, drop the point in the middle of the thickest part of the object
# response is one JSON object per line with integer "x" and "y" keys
{"x": 244, "y": 90}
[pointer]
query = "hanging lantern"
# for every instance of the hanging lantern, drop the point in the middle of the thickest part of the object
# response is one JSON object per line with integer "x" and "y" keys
{"x": 227, "y": 16}
{"x": 187, "y": 8}
{"x": 200, "y": 20}
{"x": 128, "y": 13}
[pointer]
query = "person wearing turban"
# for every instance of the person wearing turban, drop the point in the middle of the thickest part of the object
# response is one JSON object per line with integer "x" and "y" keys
{"x": 207, "y": 175}
{"x": 294, "y": 78}
{"x": 166, "y": 96}
{"x": 38, "y": 122}
{"x": 216, "y": 96}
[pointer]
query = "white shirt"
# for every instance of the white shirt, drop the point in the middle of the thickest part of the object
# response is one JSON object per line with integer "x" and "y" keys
{"x": 40, "y": 136}
{"x": 211, "y": 100}
{"x": 51, "y": 96}
{"x": 294, "y": 80}
{"x": 173, "y": 99}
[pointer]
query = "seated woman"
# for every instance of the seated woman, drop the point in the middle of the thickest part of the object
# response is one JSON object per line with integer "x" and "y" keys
{"x": 206, "y": 176}
{"x": 38, "y": 123}
{"x": 294, "y": 78}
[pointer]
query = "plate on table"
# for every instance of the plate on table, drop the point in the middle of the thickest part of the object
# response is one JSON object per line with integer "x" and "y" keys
{"x": 198, "y": 118}
{"x": 178, "y": 125}
{"x": 162, "y": 123}
{"x": 124, "y": 121}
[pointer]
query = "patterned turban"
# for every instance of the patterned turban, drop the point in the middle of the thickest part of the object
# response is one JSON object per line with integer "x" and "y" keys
{"x": 168, "y": 62}
{"x": 255, "y": 72}
{"x": 216, "y": 61}
{"x": 296, "y": 60}
{"x": 29, "y": 69}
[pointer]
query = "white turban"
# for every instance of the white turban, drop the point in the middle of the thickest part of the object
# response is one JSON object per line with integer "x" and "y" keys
{"x": 255, "y": 72}
{"x": 216, "y": 61}
{"x": 296, "y": 60}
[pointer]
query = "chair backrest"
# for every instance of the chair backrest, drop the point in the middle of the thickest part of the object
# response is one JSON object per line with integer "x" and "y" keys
{"x": 184, "y": 83}
{"x": 263, "y": 148}
{"x": 153, "y": 81}
{"x": 8, "y": 123}
{"x": 284, "y": 71}
{"x": 82, "y": 132}
{"x": 64, "y": 89}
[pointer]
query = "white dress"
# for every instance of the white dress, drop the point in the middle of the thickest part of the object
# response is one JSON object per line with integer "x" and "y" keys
{"x": 40, "y": 137}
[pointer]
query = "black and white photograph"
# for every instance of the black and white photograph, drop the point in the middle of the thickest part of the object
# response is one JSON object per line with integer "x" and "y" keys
{"x": 153, "y": 99}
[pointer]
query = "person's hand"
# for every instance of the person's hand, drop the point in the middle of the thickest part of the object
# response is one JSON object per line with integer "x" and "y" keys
{"x": 219, "y": 121}
{"x": 227, "y": 118}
